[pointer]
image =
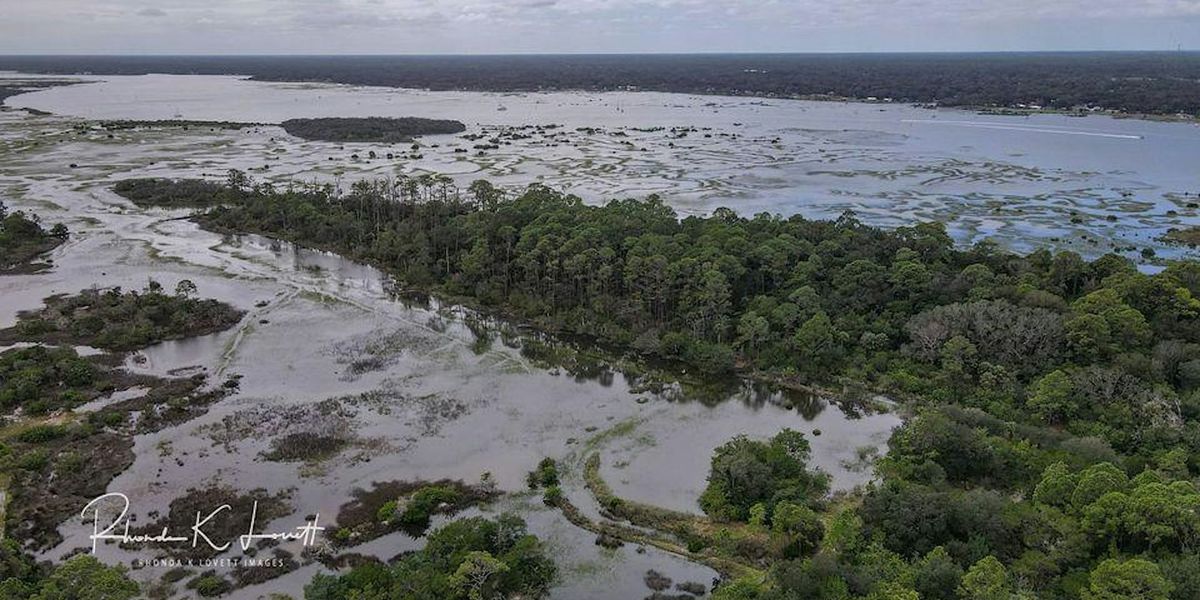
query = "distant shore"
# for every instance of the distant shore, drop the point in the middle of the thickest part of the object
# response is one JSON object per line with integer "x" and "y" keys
{"x": 1132, "y": 84}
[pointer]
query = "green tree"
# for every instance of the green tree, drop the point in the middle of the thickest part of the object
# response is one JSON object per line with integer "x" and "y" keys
{"x": 893, "y": 591}
{"x": 1097, "y": 480}
{"x": 85, "y": 578}
{"x": 752, "y": 330}
{"x": 1056, "y": 486}
{"x": 476, "y": 573}
{"x": 1053, "y": 397}
{"x": 936, "y": 576}
{"x": 986, "y": 580}
{"x": 799, "y": 526}
{"x": 1134, "y": 579}
{"x": 816, "y": 343}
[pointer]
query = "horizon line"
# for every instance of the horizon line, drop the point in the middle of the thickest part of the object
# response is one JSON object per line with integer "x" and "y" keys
{"x": 592, "y": 53}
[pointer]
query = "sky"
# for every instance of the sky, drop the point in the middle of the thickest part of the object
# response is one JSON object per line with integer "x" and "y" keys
{"x": 554, "y": 26}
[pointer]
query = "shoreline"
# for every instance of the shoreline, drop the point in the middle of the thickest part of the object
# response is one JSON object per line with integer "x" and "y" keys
{"x": 976, "y": 109}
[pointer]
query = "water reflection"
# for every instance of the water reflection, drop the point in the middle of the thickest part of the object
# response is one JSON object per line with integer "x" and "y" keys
{"x": 584, "y": 359}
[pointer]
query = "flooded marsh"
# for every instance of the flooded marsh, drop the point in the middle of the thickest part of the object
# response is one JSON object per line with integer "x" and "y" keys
{"x": 341, "y": 386}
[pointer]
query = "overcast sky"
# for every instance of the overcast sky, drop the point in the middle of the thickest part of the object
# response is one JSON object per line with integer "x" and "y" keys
{"x": 509, "y": 26}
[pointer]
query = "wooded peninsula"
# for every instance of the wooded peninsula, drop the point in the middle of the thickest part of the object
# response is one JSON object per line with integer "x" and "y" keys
{"x": 1052, "y": 443}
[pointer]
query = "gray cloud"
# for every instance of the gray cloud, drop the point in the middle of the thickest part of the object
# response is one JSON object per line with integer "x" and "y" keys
{"x": 382, "y": 26}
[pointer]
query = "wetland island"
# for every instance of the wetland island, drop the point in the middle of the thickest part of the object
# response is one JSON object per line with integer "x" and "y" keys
{"x": 665, "y": 327}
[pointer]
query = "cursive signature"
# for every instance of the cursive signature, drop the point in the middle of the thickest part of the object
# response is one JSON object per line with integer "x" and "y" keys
{"x": 306, "y": 533}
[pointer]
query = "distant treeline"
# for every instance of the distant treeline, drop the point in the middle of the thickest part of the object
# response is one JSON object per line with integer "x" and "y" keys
{"x": 369, "y": 129}
{"x": 1135, "y": 82}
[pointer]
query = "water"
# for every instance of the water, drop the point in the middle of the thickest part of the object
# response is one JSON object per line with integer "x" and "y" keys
{"x": 1089, "y": 184}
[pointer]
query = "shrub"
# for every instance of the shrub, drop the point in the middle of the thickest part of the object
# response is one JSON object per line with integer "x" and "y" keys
{"x": 425, "y": 502}
{"x": 41, "y": 433}
{"x": 386, "y": 512}
{"x": 545, "y": 475}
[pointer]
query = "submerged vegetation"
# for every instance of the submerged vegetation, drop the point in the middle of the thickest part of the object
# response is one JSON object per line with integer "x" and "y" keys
{"x": 22, "y": 238}
{"x": 1188, "y": 236}
{"x": 403, "y": 506}
{"x": 70, "y": 420}
{"x": 114, "y": 319}
{"x": 369, "y": 129}
{"x": 55, "y": 459}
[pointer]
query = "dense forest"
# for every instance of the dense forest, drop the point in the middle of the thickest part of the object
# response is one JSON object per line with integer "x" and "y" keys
{"x": 1053, "y": 445}
{"x": 82, "y": 577}
{"x": 970, "y": 507}
{"x": 369, "y": 129}
{"x": 1044, "y": 337}
{"x": 1134, "y": 82}
{"x": 468, "y": 559}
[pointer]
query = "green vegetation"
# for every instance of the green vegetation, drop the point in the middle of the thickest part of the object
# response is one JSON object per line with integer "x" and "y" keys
{"x": 902, "y": 311}
{"x": 469, "y": 559}
{"x": 544, "y": 476}
{"x": 426, "y": 501}
{"x": 79, "y": 578}
{"x": 40, "y": 379}
{"x": 403, "y": 506}
{"x": 1188, "y": 236}
{"x": 1055, "y": 435}
{"x": 729, "y": 547}
{"x": 168, "y": 193}
{"x": 751, "y": 480}
{"x": 22, "y": 239}
{"x": 113, "y": 319}
{"x": 971, "y": 506}
{"x": 369, "y": 129}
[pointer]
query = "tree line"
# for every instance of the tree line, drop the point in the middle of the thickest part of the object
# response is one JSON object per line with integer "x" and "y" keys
{"x": 1134, "y": 82}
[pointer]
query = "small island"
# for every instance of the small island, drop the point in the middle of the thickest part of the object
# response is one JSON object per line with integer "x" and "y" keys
{"x": 119, "y": 320}
{"x": 369, "y": 129}
{"x": 22, "y": 239}
{"x": 1188, "y": 236}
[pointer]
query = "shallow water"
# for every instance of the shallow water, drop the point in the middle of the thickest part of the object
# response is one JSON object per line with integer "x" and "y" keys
{"x": 1089, "y": 184}
{"x": 417, "y": 401}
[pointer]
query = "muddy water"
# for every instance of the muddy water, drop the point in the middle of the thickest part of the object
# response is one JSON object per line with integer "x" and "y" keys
{"x": 413, "y": 396}
{"x": 1089, "y": 184}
